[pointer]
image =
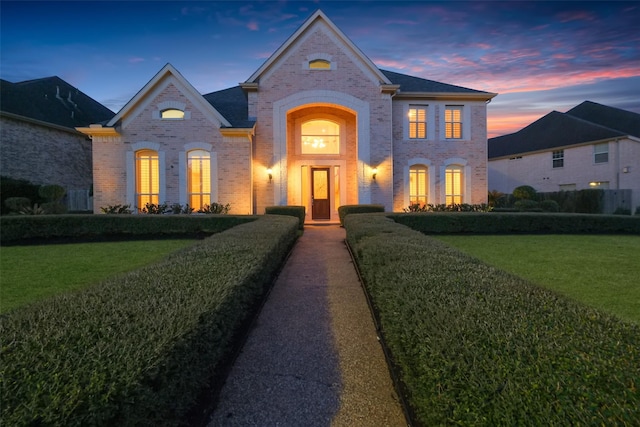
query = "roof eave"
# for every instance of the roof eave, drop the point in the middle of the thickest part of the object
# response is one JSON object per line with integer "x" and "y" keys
{"x": 564, "y": 147}
{"x": 98, "y": 130}
{"x": 482, "y": 96}
{"x": 39, "y": 122}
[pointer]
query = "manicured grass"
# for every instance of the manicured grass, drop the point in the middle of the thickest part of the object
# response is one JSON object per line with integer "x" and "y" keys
{"x": 599, "y": 270}
{"x": 30, "y": 273}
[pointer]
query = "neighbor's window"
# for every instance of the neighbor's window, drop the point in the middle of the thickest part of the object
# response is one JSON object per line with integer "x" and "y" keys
{"x": 319, "y": 64}
{"x": 320, "y": 137}
{"x": 557, "y": 158}
{"x": 417, "y": 122}
{"x": 453, "y": 185}
{"x": 147, "y": 178}
{"x": 601, "y": 153}
{"x": 199, "y": 178}
{"x": 453, "y": 122}
{"x": 418, "y": 185}
{"x": 172, "y": 113}
{"x": 604, "y": 185}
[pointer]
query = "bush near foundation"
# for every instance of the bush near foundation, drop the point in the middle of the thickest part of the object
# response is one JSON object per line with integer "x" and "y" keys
{"x": 138, "y": 349}
{"x": 474, "y": 345}
{"x": 525, "y": 222}
{"x": 297, "y": 211}
{"x": 22, "y": 228}
{"x": 345, "y": 210}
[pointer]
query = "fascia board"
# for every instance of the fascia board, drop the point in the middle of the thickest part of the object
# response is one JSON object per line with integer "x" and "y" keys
{"x": 446, "y": 96}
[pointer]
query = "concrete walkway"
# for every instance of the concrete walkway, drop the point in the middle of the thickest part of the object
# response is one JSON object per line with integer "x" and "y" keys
{"x": 313, "y": 358}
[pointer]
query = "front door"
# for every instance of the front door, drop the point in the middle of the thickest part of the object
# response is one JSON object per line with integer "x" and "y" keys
{"x": 320, "y": 203}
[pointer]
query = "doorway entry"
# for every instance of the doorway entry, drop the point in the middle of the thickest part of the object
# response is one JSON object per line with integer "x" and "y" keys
{"x": 320, "y": 200}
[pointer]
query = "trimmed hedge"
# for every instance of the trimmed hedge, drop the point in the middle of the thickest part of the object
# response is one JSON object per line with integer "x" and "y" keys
{"x": 345, "y": 210}
{"x": 508, "y": 222}
{"x": 474, "y": 345}
{"x": 21, "y": 228}
{"x": 139, "y": 349}
{"x": 297, "y": 211}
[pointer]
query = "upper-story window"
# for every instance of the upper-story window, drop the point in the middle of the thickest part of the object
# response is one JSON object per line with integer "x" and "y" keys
{"x": 453, "y": 122}
{"x": 172, "y": 113}
{"x": 319, "y": 64}
{"x": 601, "y": 153}
{"x": 557, "y": 158}
{"x": 320, "y": 137}
{"x": 417, "y": 122}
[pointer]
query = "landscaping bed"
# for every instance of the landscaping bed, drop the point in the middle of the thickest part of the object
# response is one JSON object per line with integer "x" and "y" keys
{"x": 473, "y": 345}
{"x": 139, "y": 349}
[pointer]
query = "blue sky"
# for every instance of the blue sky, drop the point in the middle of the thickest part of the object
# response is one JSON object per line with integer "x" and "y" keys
{"x": 538, "y": 56}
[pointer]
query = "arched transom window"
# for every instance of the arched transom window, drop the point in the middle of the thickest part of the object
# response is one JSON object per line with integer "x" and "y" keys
{"x": 172, "y": 113}
{"x": 320, "y": 137}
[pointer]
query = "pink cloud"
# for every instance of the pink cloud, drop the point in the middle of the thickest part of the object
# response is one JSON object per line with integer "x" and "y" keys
{"x": 253, "y": 26}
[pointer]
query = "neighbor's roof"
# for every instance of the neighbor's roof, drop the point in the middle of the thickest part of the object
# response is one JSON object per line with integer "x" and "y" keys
{"x": 581, "y": 125}
{"x": 51, "y": 100}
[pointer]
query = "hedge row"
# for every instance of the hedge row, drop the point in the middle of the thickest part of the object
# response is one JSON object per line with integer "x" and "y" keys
{"x": 139, "y": 349}
{"x": 345, "y": 210}
{"x": 297, "y": 211}
{"x": 21, "y": 228}
{"x": 474, "y": 345}
{"x": 504, "y": 222}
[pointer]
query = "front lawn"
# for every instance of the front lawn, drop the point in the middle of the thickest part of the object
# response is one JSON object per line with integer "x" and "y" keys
{"x": 30, "y": 273}
{"x": 598, "y": 270}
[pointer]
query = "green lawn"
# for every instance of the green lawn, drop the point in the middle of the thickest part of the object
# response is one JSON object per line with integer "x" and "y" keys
{"x": 30, "y": 273}
{"x": 601, "y": 271}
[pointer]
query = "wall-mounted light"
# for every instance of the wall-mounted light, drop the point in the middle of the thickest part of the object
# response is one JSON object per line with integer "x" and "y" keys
{"x": 270, "y": 173}
{"x": 375, "y": 172}
{"x": 625, "y": 169}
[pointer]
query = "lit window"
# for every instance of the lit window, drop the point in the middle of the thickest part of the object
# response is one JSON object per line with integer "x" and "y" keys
{"x": 147, "y": 178}
{"x": 418, "y": 185}
{"x": 199, "y": 178}
{"x": 453, "y": 185}
{"x": 558, "y": 158}
{"x": 319, "y": 64}
{"x": 417, "y": 122}
{"x": 601, "y": 153}
{"x": 320, "y": 137}
{"x": 172, "y": 113}
{"x": 453, "y": 122}
{"x": 604, "y": 185}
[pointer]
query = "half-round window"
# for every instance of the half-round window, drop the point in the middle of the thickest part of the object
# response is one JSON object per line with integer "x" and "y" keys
{"x": 319, "y": 64}
{"x": 172, "y": 113}
{"x": 320, "y": 137}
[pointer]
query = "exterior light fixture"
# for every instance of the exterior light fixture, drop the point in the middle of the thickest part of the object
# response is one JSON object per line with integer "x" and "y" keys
{"x": 375, "y": 172}
{"x": 270, "y": 173}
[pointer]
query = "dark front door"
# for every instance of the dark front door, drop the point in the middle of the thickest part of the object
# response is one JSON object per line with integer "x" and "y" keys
{"x": 320, "y": 203}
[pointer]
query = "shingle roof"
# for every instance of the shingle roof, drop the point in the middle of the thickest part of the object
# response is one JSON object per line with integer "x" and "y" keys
{"x": 557, "y": 129}
{"x": 233, "y": 105}
{"x": 611, "y": 117}
{"x": 52, "y": 100}
{"x": 416, "y": 84}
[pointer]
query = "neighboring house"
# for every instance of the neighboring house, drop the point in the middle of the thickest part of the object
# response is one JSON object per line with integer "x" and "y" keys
{"x": 589, "y": 146}
{"x": 318, "y": 124}
{"x": 38, "y": 140}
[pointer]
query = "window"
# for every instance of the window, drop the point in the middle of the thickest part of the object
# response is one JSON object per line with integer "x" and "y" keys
{"x": 417, "y": 122}
{"x": 320, "y": 137}
{"x": 453, "y": 185}
{"x": 604, "y": 185}
{"x": 558, "y": 158}
{"x": 319, "y": 64}
{"x": 601, "y": 153}
{"x": 199, "y": 178}
{"x": 147, "y": 178}
{"x": 172, "y": 113}
{"x": 418, "y": 185}
{"x": 453, "y": 122}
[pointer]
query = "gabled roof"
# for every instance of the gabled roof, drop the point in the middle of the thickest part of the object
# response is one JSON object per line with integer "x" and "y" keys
{"x": 232, "y": 103}
{"x": 415, "y": 86}
{"x": 317, "y": 17}
{"x": 554, "y": 130}
{"x": 51, "y": 100}
{"x": 611, "y": 117}
{"x": 169, "y": 74}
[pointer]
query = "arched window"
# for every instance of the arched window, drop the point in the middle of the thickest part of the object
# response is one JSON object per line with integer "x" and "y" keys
{"x": 454, "y": 183}
{"x": 319, "y": 64}
{"x": 172, "y": 113}
{"x": 147, "y": 178}
{"x": 320, "y": 137}
{"x": 418, "y": 185}
{"x": 199, "y": 178}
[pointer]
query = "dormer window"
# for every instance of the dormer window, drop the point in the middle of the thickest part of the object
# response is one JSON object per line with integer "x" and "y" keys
{"x": 319, "y": 61}
{"x": 172, "y": 114}
{"x": 319, "y": 64}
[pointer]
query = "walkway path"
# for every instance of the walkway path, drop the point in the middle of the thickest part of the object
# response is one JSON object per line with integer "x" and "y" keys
{"x": 313, "y": 358}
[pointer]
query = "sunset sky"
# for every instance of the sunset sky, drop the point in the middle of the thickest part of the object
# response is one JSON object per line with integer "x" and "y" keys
{"x": 538, "y": 56}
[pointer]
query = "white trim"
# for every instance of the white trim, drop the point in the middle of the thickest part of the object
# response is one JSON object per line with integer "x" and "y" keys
{"x": 431, "y": 120}
{"x": 466, "y": 121}
{"x": 466, "y": 178}
{"x": 182, "y": 170}
{"x": 131, "y": 171}
{"x": 431, "y": 176}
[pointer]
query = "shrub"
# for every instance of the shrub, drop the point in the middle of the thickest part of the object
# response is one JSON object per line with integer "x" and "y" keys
{"x": 116, "y": 209}
{"x": 345, "y": 210}
{"x": 495, "y": 198}
{"x": 550, "y": 205}
{"x": 32, "y": 210}
{"x": 156, "y": 209}
{"x": 297, "y": 211}
{"x": 622, "y": 211}
{"x": 527, "y": 205}
{"x": 473, "y": 345}
{"x": 139, "y": 349}
{"x": 589, "y": 201}
{"x": 52, "y": 193}
{"x": 524, "y": 192}
{"x": 215, "y": 208}
{"x": 10, "y": 187}
{"x": 177, "y": 209}
{"x": 16, "y": 204}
